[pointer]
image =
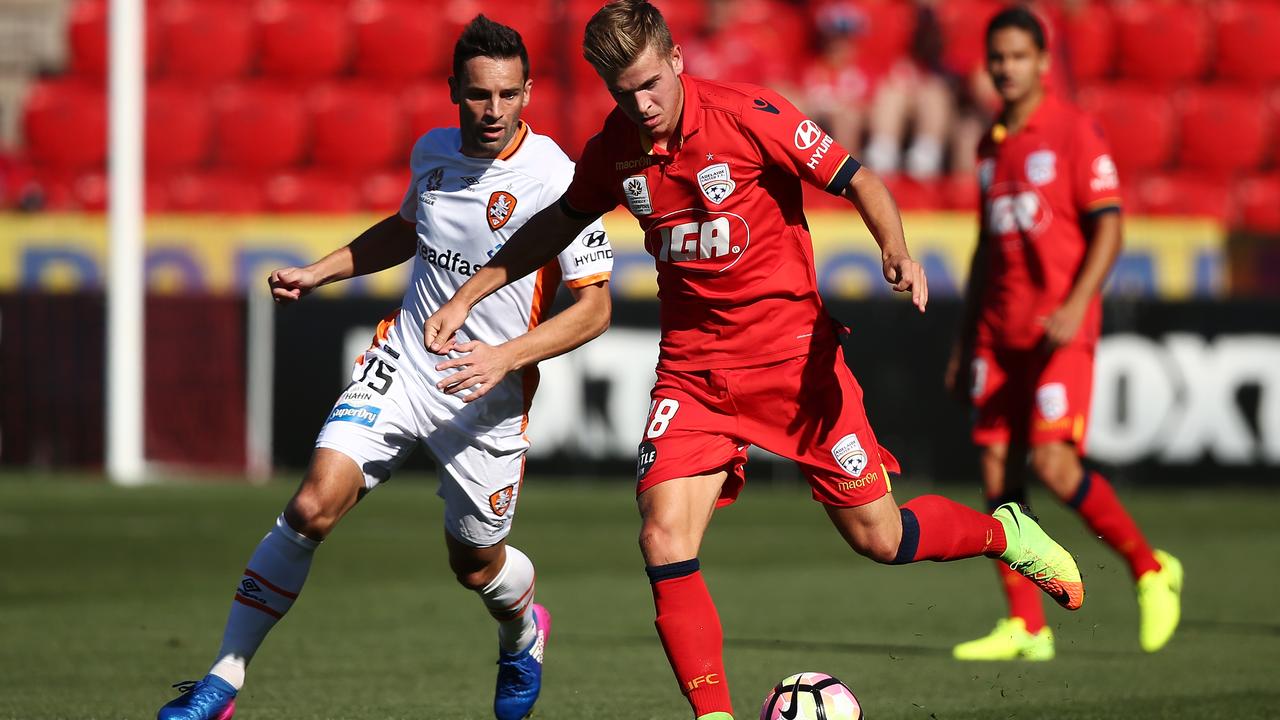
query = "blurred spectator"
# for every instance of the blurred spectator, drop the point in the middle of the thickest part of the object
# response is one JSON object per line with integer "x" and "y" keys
{"x": 837, "y": 84}
{"x": 914, "y": 92}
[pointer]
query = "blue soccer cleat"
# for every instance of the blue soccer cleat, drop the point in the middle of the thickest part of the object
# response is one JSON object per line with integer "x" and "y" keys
{"x": 209, "y": 699}
{"x": 520, "y": 674}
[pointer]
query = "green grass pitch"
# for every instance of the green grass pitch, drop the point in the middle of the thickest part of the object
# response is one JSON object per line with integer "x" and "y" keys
{"x": 108, "y": 595}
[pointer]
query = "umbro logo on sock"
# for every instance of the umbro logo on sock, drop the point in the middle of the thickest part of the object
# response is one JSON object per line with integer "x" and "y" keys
{"x": 249, "y": 586}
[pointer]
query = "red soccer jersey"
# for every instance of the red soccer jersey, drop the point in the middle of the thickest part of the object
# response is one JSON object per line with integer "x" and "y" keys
{"x": 723, "y": 218}
{"x": 1038, "y": 185}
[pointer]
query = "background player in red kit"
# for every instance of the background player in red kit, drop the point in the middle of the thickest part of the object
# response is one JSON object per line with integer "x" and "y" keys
{"x": 1050, "y": 231}
{"x": 748, "y": 355}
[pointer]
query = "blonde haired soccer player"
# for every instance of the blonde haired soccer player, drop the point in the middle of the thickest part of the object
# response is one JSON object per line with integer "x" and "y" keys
{"x": 749, "y": 355}
{"x": 473, "y": 186}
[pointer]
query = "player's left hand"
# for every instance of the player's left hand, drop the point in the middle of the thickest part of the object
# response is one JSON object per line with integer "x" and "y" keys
{"x": 1061, "y": 325}
{"x": 907, "y": 275}
{"x": 480, "y": 369}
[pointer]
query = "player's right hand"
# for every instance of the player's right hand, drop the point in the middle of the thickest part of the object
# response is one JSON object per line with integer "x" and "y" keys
{"x": 290, "y": 284}
{"x": 438, "y": 332}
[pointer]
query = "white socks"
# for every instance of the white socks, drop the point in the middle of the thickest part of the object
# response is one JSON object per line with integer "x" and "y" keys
{"x": 509, "y": 599}
{"x": 270, "y": 584}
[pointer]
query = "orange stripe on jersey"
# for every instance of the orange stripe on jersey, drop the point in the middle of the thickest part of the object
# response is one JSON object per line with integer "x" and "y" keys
{"x": 380, "y": 335}
{"x": 515, "y": 143}
{"x": 544, "y": 292}
{"x": 588, "y": 280}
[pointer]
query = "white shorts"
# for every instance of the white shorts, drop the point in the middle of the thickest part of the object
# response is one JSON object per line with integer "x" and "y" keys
{"x": 387, "y": 408}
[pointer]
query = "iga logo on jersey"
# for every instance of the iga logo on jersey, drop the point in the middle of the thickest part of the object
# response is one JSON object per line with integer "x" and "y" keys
{"x": 700, "y": 240}
{"x": 636, "y": 190}
{"x": 502, "y": 205}
{"x": 850, "y": 455}
{"x": 1042, "y": 167}
{"x": 500, "y": 501}
{"x": 716, "y": 183}
{"x": 807, "y": 134}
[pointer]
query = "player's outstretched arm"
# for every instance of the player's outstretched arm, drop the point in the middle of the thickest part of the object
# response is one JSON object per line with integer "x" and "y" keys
{"x": 539, "y": 240}
{"x": 880, "y": 213}
{"x": 388, "y": 243}
{"x": 1061, "y": 326}
{"x": 484, "y": 366}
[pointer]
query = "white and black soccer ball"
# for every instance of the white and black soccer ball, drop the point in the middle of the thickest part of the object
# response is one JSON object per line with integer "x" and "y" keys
{"x": 811, "y": 696}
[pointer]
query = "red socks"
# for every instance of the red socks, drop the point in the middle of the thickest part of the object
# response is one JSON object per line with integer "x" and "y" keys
{"x": 690, "y": 631}
{"x": 935, "y": 528}
{"x": 1097, "y": 503}
{"x": 1023, "y": 596}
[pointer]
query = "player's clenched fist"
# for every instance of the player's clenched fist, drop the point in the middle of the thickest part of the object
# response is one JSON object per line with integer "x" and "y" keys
{"x": 907, "y": 275}
{"x": 438, "y": 331}
{"x": 290, "y": 284}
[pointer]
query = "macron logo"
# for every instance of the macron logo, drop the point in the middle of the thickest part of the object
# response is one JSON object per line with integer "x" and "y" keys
{"x": 358, "y": 414}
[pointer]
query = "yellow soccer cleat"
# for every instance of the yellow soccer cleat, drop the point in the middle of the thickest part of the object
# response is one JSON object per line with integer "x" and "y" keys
{"x": 1009, "y": 641}
{"x": 1159, "y": 602}
{"x": 1044, "y": 562}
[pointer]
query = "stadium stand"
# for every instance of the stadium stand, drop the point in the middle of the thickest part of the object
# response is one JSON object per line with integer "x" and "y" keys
{"x": 253, "y": 105}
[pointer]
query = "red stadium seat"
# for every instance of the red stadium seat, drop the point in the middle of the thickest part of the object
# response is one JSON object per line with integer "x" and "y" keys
{"x": 65, "y": 125}
{"x": 427, "y": 107}
{"x": 1138, "y": 123}
{"x": 206, "y": 40}
{"x": 1184, "y": 193}
{"x": 355, "y": 127}
{"x": 258, "y": 127}
{"x": 888, "y": 33}
{"x": 178, "y": 127}
{"x": 312, "y": 191}
{"x": 87, "y": 39}
{"x": 217, "y": 192}
{"x": 964, "y": 28}
{"x": 1223, "y": 129}
{"x": 913, "y": 194}
{"x": 302, "y": 39}
{"x": 398, "y": 40}
{"x": 1162, "y": 42}
{"x": 1247, "y": 31}
{"x": 547, "y": 108}
{"x": 384, "y": 191}
{"x": 1259, "y": 202}
{"x": 1090, "y": 42}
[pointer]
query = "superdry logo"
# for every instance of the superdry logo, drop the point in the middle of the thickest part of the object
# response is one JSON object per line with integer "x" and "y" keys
{"x": 358, "y": 414}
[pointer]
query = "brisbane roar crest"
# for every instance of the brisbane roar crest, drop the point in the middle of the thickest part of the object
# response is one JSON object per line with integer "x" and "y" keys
{"x": 500, "y": 501}
{"x": 502, "y": 205}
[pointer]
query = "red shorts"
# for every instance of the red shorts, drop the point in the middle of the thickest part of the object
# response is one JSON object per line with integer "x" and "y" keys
{"x": 807, "y": 409}
{"x": 1032, "y": 397}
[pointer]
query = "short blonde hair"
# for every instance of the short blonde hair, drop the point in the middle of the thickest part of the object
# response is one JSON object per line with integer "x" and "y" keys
{"x": 620, "y": 31}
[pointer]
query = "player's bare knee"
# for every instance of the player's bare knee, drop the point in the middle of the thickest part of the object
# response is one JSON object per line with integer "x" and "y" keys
{"x": 881, "y": 545}
{"x": 475, "y": 575}
{"x": 660, "y": 545}
{"x": 1058, "y": 468}
{"x": 311, "y": 514}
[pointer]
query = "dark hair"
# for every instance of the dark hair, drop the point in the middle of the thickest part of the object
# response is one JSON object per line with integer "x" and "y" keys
{"x": 1020, "y": 18}
{"x": 483, "y": 37}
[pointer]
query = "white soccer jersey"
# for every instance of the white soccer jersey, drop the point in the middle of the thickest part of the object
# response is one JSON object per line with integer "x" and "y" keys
{"x": 465, "y": 208}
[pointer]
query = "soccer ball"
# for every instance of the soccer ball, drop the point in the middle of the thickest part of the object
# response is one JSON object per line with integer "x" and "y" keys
{"x": 811, "y": 696}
